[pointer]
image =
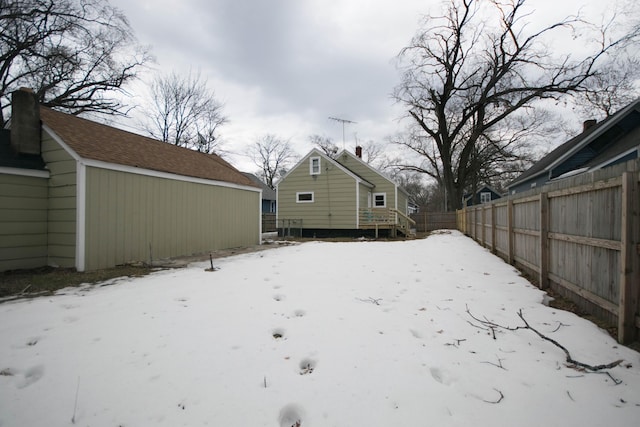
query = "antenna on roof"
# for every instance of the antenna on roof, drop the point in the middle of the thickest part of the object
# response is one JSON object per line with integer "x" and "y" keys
{"x": 343, "y": 121}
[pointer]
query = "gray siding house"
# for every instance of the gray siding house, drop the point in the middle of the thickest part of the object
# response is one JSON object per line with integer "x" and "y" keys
{"x": 79, "y": 194}
{"x": 325, "y": 196}
{"x": 614, "y": 140}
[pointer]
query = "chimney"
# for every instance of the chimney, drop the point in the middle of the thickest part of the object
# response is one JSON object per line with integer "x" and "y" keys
{"x": 588, "y": 123}
{"x": 359, "y": 151}
{"x": 25, "y": 122}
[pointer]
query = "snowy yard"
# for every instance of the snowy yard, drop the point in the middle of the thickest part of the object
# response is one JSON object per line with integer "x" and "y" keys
{"x": 324, "y": 334}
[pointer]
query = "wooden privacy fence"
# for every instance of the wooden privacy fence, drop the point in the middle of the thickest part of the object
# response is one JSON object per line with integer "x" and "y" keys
{"x": 578, "y": 236}
{"x": 429, "y": 221}
{"x": 269, "y": 222}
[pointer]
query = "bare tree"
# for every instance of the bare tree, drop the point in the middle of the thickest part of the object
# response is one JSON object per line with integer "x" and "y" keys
{"x": 611, "y": 88}
{"x": 184, "y": 112}
{"x": 471, "y": 88}
{"x": 273, "y": 156}
{"x": 75, "y": 54}
{"x": 325, "y": 144}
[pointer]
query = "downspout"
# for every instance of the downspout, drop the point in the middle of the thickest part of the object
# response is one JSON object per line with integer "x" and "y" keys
{"x": 260, "y": 218}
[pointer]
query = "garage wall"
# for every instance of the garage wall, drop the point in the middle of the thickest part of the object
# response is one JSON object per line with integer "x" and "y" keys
{"x": 131, "y": 217}
{"x": 23, "y": 221}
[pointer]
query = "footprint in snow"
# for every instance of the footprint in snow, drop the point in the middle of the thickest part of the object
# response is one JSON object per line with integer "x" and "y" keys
{"x": 441, "y": 376}
{"x": 291, "y": 416}
{"x": 278, "y": 297}
{"x": 307, "y": 366}
{"x": 31, "y": 376}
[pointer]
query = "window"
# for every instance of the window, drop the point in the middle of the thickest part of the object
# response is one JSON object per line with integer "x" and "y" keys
{"x": 304, "y": 197}
{"x": 485, "y": 197}
{"x": 314, "y": 165}
{"x": 379, "y": 200}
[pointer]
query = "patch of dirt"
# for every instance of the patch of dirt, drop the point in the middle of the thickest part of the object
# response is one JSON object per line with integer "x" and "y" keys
{"x": 46, "y": 280}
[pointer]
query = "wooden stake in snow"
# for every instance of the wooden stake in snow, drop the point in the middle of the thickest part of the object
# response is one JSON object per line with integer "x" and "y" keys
{"x": 75, "y": 405}
{"x": 212, "y": 268}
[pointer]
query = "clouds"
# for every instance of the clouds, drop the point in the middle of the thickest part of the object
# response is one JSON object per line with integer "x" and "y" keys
{"x": 284, "y": 66}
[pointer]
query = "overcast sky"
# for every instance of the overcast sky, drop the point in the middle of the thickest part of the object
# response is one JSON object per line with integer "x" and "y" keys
{"x": 285, "y": 66}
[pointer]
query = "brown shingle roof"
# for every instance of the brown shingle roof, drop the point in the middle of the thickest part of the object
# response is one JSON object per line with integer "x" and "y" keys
{"x": 96, "y": 141}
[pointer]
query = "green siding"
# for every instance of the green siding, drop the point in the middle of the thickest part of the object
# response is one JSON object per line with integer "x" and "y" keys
{"x": 382, "y": 184}
{"x": 131, "y": 217}
{"x": 23, "y": 222}
{"x": 334, "y": 191}
{"x": 62, "y": 203}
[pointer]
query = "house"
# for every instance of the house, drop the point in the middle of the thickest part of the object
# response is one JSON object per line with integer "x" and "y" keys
{"x": 324, "y": 196}
{"x": 76, "y": 193}
{"x": 614, "y": 140}
{"x": 485, "y": 194}
{"x": 268, "y": 194}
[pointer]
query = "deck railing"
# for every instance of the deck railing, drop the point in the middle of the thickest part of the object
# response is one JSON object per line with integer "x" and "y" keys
{"x": 385, "y": 218}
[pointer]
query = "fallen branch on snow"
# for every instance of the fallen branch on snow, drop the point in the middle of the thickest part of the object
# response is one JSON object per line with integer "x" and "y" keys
{"x": 493, "y": 327}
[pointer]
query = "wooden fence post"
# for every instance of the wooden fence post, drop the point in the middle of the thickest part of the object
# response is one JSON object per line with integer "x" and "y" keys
{"x": 493, "y": 228}
{"x": 543, "y": 279}
{"x": 628, "y": 292}
{"x": 483, "y": 220}
{"x": 510, "y": 236}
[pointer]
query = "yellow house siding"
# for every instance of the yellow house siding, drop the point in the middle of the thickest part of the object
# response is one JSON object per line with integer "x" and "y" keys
{"x": 382, "y": 184}
{"x": 131, "y": 217}
{"x": 334, "y": 205}
{"x": 23, "y": 222}
{"x": 62, "y": 203}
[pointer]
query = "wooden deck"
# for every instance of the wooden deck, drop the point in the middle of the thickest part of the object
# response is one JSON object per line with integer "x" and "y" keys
{"x": 385, "y": 219}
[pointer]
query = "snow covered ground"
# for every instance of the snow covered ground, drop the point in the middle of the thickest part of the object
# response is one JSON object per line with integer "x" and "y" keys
{"x": 319, "y": 334}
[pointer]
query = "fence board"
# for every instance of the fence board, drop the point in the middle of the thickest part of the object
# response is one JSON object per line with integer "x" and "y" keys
{"x": 580, "y": 236}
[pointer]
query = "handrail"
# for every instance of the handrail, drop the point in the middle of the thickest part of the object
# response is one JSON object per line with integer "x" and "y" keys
{"x": 409, "y": 219}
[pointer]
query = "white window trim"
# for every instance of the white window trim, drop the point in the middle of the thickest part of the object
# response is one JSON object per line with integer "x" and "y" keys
{"x": 311, "y": 171}
{"x": 384, "y": 197}
{"x": 483, "y": 195}
{"x": 305, "y": 201}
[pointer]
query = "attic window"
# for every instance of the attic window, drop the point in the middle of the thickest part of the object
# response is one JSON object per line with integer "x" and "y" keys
{"x": 485, "y": 197}
{"x": 314, "y": 165}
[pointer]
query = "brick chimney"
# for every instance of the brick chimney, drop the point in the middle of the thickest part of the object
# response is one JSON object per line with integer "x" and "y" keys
{"x": 588, "y": 124}
{"x": 359, "y": 151}
{"x": 25, "y": 122}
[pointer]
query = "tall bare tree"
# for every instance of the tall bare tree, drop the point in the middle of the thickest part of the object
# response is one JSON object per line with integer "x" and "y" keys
{"x": 611, "y": 88}
{"x": 470, "y": 87}
{"x": 185, "y": 112}
{"x": 272, "y": 155}
{"x": 75, "y": 54}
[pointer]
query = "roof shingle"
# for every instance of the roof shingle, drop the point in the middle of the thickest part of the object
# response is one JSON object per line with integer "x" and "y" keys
{"x": 96, "y": 141}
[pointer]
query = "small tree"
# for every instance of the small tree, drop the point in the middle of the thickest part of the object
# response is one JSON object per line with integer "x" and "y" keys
{"x": 184, "y": 112}
{"x": 74, "y": 54}
{"x": 272, "y": 155}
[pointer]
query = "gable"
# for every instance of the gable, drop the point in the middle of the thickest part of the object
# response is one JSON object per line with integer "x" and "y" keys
{"x": 303, "y": 167}
{"x": 95, "y": 141}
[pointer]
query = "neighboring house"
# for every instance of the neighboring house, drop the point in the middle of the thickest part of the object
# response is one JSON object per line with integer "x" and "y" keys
{"x": 614, "y": 140}
{"x": 268, "y": 194}
{"x": 342, "y": 196}
{"x": 76, "y": 193}
{"x": 485, "y": 194}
